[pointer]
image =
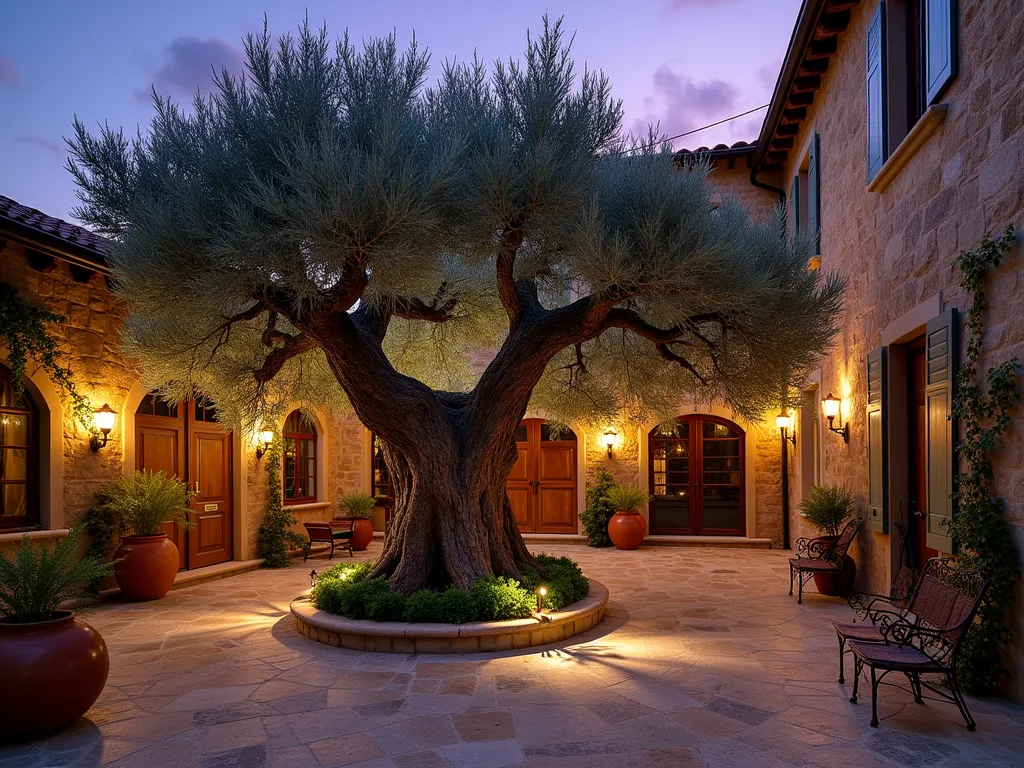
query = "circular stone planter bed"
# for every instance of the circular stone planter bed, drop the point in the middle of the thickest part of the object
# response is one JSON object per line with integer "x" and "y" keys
{"x": 472, "y": 637}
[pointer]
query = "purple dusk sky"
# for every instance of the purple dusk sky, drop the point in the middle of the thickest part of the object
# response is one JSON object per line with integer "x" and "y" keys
{"x": 683, "y": 63}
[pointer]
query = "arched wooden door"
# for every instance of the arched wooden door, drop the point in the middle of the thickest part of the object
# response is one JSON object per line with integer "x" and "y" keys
{"x": 542, "y": 484}
{"x": 697, "y": 477}
{"x": 184, "y": 440}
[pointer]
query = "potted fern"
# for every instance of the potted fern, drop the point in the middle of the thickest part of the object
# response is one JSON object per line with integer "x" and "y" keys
{"x": 828, "y": 508}
{"x": 627, "y": 527}
{"x": 359, "y": 506}
{"x": 147, "y": 561}
{"x": 55, "y": 666}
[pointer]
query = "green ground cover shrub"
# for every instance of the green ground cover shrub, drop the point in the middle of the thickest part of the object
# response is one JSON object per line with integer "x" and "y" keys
{"x": 346, "y": 589}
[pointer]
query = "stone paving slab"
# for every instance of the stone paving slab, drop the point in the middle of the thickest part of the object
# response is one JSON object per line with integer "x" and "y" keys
{"x": 703, "y": 660}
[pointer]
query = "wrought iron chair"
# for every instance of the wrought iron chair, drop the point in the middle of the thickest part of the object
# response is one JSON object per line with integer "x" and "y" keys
{"x": 867, "y": 606}
{"x": 326, "y": 533}
{"x": 821, "y": 555}
{"x": 926, "y": 639}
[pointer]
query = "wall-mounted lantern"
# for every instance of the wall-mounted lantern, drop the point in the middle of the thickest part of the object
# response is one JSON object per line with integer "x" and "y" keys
{"x": 102, "y": 421}
{"x": 610, "y": 438}
{"x": 833, "y": 406}
{"x": 784, "y": 421}
{"x": 265, "y": 439}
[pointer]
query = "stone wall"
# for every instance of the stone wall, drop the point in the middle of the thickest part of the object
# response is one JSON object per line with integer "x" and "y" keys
{"x": 896, "y": 246}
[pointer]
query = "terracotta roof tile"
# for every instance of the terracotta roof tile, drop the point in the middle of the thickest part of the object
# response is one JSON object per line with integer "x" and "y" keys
{"x": 29, "y": 218}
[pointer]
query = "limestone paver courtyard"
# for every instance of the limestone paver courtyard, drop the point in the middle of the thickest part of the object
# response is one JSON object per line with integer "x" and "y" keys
{"x": 703, "y": 661}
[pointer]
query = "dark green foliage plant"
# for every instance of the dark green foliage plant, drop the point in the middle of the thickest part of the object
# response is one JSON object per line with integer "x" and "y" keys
{"x": 978, "y": 526}
{"x": 627, "y": 497}
{"x": 346, "y": 589}
{"x": 599, "y": 511}
{"x": 23, "y": 331}
{"x": 357, "y": 504}
{"x": 143, "y": 501}
{"x": 828, "y": 507}
{"x": 275, "y": 537}
{"x": 36, "y": 579}
{"x": 101, "y": 523}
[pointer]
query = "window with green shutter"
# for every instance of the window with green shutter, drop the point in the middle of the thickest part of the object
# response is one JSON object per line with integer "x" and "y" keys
{"x": 939, "y": 46}
{"x": 814, "y": 192}
{"x": 878, "y": 434}
{"x": 941, "y": 336}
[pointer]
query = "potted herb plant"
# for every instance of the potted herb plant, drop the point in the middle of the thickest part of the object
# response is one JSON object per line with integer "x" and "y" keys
{"x": 147, "y": 561}
{"x": 627, "y": 527}
{"x": 55, "y": 666}
{"x": 828, "y": 508}
{"x": 359, "y": 506}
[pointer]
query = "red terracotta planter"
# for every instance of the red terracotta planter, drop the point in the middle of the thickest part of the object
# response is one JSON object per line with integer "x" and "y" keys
{"x": 147, "y": 568}
{"x": 53, "y": 672}
{"x": 627, "y": 529}
{"x": 362, "y": 533}
{"x": 834, "y": 585}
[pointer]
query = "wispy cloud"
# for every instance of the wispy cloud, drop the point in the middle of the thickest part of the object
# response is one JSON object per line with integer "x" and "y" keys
{"x": 189, "y": 64}
{"x": 8, "y": 72}
{"x": 39, "y": 141}
{"x": 680, "y": 104}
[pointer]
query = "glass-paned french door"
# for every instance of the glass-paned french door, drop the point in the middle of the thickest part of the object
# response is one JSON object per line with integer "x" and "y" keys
{"x": 696, "y": 477}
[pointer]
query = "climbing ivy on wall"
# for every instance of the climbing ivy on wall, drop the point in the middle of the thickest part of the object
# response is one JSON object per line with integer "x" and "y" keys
{"x": 979, "y": 526}
{"x": 23, "y": 331}
{"x": 275, "y": 537}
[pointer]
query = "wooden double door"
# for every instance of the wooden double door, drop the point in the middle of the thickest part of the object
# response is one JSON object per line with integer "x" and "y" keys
{"x": 542, "y": 484}
{"x": 697, "y": 477}
{"x": 184, "y": 440}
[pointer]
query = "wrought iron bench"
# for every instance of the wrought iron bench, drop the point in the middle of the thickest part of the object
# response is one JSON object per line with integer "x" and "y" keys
{"x": 867, "y": 606}
{"x": 925, "y": 639}
{"x": 328, "y": 533}
{"x": 821, "y": 555}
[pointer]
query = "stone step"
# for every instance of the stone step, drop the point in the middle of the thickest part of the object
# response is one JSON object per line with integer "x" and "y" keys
{"x": 724, "y": 542}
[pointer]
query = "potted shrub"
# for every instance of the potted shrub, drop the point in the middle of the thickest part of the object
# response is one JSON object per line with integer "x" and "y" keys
{"x": 599, "y": 511}
{"x": 147, "y": 561}
{"x": 359, "y": 506}
{"x": 55, "y": 665}
{"x": 828, "y": 508}
{"x": 627, "y": 527}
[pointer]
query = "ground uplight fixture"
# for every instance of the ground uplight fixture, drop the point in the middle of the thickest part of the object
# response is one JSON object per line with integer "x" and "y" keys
{"x": 832, "y": 406}
{"x": 266, "y": 438}
{"x": 609, "y": 439}
{"x": 784, "y": 421}
{"x": 541, "y": 593}
{"x": 102, "y": 422}
{"x": 312, "y": 578}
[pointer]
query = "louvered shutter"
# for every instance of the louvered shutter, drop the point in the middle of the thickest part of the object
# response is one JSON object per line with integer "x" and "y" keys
{"x": 941, "y": 363}
{"x": 878, "y": 433}
{"x": 876, "y": 118}
{"x": 940, "y": 47}
{"x": 814, "y": 192}
{"x": 794, "y": 204}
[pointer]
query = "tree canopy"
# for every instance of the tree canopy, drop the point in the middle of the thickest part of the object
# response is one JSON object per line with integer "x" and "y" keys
{"x": 331, "y": 190}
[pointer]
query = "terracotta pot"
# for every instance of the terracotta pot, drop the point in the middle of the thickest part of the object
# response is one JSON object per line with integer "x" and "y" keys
{"x": 147, "y": 568}
{"x": 831, "y": 584}
{"x": 627, "y": 529}
{"x": 53, "y": 672}
{"x": 362, "y": 533}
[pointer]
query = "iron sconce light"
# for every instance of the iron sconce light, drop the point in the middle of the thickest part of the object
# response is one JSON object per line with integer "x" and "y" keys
{"x": 266, "y": 438}
{"x": 609, "y": 439}
{"x": 102, "y": 422}
{"x": 833, "y": 406}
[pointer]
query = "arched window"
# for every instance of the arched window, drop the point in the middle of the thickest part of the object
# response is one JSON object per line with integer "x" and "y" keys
{"x": 19, "y": 457}
{"x": 299, "y": 459}
{"x": 697, "y": 477}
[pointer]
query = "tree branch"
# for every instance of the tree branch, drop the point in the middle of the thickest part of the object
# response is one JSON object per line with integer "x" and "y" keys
{"x": 672, "y": 357}
{"x": 273, "y": 362}
{"x": 511, "y": 241}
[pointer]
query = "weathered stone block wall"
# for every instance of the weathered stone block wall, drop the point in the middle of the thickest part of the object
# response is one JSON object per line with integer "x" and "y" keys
{"x": 896, "y": 247}
{"x": 90, "y": 342}
{"x": 734, "y": 183}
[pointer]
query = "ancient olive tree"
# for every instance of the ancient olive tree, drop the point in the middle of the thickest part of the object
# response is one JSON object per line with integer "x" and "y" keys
{"x": 328, "y": 229}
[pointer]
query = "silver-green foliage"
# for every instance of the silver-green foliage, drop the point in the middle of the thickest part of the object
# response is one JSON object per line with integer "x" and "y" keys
{"x": 828, "y": 507}
{"x": 627, "y": 497}
{"x": 144, "y": 501}
{"x": 336, "y": 178}
{"x": 36, "y": 578}
{"x": 357, "y": 504}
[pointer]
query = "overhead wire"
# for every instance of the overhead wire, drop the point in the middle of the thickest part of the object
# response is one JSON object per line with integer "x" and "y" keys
{"x": 687, "y": 133}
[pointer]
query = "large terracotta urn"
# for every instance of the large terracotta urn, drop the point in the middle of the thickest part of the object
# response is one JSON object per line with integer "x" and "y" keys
{"x": 627, "y": 529}
{"x": 362, "y": 533}
{"x": 53, "y": 671}
{"x": 147, "y": 567}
